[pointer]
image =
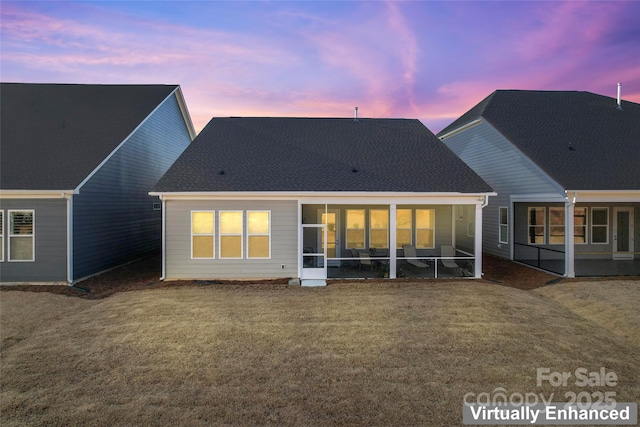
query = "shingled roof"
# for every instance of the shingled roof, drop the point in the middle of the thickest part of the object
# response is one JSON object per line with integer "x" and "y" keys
{"x": 54, "y": 135}
{"x": 580, "y": 139}
{"x": 319, "y": 154}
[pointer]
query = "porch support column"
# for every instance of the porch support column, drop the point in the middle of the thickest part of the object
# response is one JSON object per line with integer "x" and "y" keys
{"x": 569, "y": 241}
{"x": 392, "y": 241}
{"x": 478, "y": 241}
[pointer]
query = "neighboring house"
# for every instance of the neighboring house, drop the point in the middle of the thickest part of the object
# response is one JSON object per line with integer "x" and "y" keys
{"x": 77, "y": 163}
{"x": 315, "y": 198}
{"x": 559, "y": 161}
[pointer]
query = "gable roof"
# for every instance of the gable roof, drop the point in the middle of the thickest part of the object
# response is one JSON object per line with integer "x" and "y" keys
{"x": 580, "y": 139}
{"x": 318, "y": 154}
{"x": 54, "y": 135}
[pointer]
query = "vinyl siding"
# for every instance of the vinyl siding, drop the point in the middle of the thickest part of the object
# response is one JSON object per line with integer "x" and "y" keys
{"x": 50, "y": 263}
{"x": 505, "y": 169}
{"x": 284, "y": 242}
{"x": 114, "y": 220}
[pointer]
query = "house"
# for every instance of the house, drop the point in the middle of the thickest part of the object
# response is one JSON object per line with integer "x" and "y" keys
{"x": 318, "y": 198}
{"x": 566, "y": 167}
{"x": 77, "y": 163}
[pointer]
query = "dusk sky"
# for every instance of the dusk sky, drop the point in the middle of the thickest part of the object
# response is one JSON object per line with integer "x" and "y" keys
{"x": 427, "y": 60}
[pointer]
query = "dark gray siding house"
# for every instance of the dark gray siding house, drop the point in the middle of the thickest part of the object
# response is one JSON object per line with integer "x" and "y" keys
{"x": 77, "y": 163}
{"x": 559, "y": 161}
{"x": 319, "y": 199}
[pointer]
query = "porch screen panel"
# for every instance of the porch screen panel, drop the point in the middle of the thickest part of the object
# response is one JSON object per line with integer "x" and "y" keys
{"x": 202, "y": 234}
{"x": 404, "y": 226}
{"x": 21, "y": 236}
{"x": 1, "y": 235}
{"x": 537, "y": 225}
{"x": 425, "y": 228}
{"x": 355, "y": 228}
{"x": 378, "y": 228}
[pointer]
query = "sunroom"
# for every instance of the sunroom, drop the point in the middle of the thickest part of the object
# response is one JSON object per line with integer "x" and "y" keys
{"x": 390, "y": 240}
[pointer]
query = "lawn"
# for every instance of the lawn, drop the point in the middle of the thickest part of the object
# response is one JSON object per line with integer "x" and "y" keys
{"x": 349, "y": 354}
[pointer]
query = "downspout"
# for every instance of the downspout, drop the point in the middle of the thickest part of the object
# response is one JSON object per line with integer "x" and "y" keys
{"x": 164, "y": 232}
{"x": 69, "y": 198}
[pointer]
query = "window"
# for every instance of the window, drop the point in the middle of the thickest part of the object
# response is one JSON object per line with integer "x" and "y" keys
{"x": 537, "y": 225}
{"x": 258, "y": 234}
{"x": 404, "y": 225}
{"x": 599, "y": 225}
{"x": 1, "y": 235}
{"x": 556, "y": 226}
{"x": 580, "y": 225}
{"x": 425, "y": 228}
{"x": 503, "y": 234}
{"x": 202, "y": 230}
{"x": 21, "y": 236}
{"x": 378, "y": 228}
{"x": 230, "y": 234}
{"x": 355, "y": 228}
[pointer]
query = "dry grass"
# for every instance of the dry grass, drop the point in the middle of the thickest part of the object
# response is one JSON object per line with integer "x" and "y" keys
{"x": 348, "y": 354}
{"x": 612, "y": 304}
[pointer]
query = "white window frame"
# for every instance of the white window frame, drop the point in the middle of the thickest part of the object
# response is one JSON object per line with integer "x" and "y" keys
{"x": 606, "y": 226}
{"x": 423, "y": 228}
{"x": 363, "y": 228}
{"x": 410, "y": 228}
{"x": 563, "y": 226}
{"x": 503, "y": 238}
{"x": 372, "y": 229}
{"x": 213, "y": 234}
{"x": 17, "y": 236}
{"x": 2, "y": 221}
{"x": 268, "y": 234}
{"x": 221, "y": 234}
{"x": 586, "y": 225}
{"x": 544, "y": 225}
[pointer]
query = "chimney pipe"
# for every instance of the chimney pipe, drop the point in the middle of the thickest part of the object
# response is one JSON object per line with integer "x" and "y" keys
{"x": 355, "y": 118}
{"x": 619, "y": 91}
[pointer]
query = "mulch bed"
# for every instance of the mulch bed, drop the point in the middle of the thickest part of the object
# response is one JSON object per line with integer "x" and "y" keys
{"x": 145, "y": 274}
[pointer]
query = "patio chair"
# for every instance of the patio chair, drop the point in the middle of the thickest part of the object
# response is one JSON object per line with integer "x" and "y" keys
{"x": 410, "y": 252}
{"x": 365, "y": 260}
{"x": 449, "y": 251}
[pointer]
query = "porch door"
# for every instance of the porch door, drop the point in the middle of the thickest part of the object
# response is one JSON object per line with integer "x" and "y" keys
{"x": 331, "y": 218}
{"x": 623, "y": 233}
{"x": 313, "y": 257}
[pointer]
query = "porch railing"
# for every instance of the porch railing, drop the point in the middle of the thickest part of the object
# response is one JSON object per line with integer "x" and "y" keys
{"x": 351, "y": 267}
{"x": 540, "y": 257}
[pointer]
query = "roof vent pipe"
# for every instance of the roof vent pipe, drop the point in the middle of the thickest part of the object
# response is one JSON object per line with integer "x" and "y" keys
{"x": 355, "y": 117}
{"x": 619, "y": 91}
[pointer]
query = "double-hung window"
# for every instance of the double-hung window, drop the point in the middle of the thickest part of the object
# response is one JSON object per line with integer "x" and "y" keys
{"x": 425, "y": 228}
{"x": 355, "y": 228}
{"x": 378, "y": 228}
{"x": 202, "y": 234}
{"x": 1, "y": 236}
{"x": 404, "y": 225}
{"x": 599, "y": 225}
{"x": 556, "y": 226}
{"x": 580, "y": 225}
{"x": 503, "y": 236}
{"x": 537, "y": 226}
{"x": 231, "y": 230}
{"x": 258, "y": 234}
{"x": 21, "y": 235}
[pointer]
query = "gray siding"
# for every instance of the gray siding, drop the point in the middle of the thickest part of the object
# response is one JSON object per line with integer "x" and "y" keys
{"x": 114, "y": 220}
{"x": 505, "y": 169}
{"x": 50, "y": 263}
{"x": 284, "y": 242}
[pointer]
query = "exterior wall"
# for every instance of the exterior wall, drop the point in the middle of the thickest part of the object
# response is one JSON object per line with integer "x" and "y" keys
{"x": 284, "y": 242}
{"x": 582, "y": 251}
{"x": 50, "y": 235}
{"x": 114, "y": 220}
{"x": 505, "y": 169}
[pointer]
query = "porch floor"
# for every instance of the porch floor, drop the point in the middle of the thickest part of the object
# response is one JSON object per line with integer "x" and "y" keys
{"x": 591, "y": 267}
